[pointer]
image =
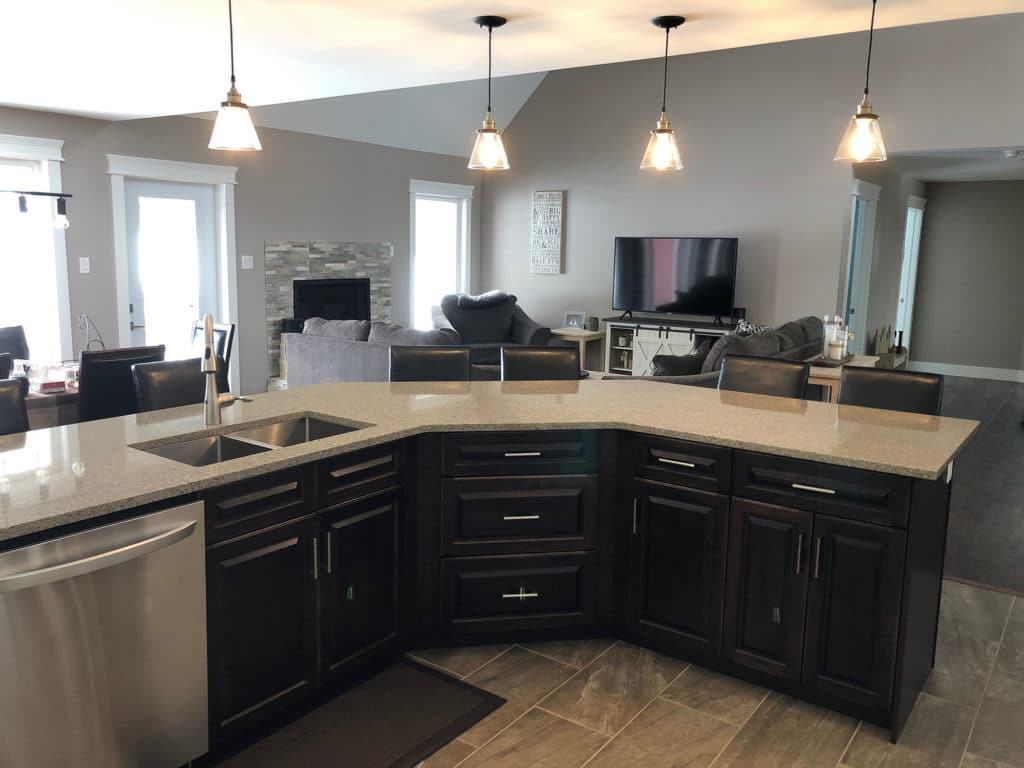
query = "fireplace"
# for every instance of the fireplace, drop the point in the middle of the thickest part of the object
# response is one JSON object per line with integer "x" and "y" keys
{"x": 332, "y": 299}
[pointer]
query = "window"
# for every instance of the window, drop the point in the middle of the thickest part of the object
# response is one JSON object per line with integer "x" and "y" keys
{"x": 33, "y": 258}
{"x": 440, "y": 238}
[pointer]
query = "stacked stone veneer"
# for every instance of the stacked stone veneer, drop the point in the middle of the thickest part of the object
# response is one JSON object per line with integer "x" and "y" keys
{"x": 288, "y": 260}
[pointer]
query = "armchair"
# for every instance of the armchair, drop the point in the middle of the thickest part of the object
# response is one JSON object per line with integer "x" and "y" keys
{"x": 488, "y": 322}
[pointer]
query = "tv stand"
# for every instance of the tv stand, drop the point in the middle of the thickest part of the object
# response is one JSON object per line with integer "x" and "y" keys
{"x": 632, "y": 342}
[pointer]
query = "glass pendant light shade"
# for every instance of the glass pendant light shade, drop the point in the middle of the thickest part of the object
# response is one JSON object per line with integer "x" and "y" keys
{"x": 662, "y": 150}
{"x": 234, "y": 129}
{"x": 488, "y": 151}
{"x": 862, "y": 141}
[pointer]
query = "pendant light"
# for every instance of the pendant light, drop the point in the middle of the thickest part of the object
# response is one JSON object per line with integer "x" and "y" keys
{"x": 862, "y": 140}
{"x": 234, "y": 129}
{"x": 662, "y": 150}
{"x": 488, "y": 151}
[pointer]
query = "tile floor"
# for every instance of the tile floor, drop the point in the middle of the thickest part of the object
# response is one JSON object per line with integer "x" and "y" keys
{"x": 611, "y": 704}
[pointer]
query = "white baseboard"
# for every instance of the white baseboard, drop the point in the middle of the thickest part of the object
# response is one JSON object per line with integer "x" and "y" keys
{"x": 969, "y": 371}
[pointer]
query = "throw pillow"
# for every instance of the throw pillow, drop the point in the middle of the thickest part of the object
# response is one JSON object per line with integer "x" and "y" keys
{"x": 745, "y": 328}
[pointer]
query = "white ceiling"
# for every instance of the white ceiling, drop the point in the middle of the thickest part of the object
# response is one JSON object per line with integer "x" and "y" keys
{"x": 134, "y": 58}
{"x": 962, "y": 165}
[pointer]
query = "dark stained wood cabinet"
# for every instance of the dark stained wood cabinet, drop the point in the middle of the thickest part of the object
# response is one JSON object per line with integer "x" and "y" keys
{"x": 855, "y": 576}
{"x": 766, "y": 588}
{"x": 678, "y": 572}
{"x": 360, "y": 581}
{"x": 261, "y": 609}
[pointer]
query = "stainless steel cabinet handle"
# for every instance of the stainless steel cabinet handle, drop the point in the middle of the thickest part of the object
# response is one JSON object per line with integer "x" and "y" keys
{"x": 520, "y": 595}
{"x": 634, "y": 515}
{"x": 520, "y": 517}
{"x": 330, "y": 535}
{"x": 677, "y": 462}
{"x": 520, "y": 454}
{"x": 813, "y": 489}
{"x": 799, "y": 551}
{"x": 817, "y": 556}
{"x": 70, "y": 570}
{"x": 316, "y": 559}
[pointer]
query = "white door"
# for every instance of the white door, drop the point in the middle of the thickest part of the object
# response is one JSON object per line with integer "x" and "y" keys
{"x": 859, "y": 257}
{"x": 908, "y": 275}
{"x": 172, "y": 261}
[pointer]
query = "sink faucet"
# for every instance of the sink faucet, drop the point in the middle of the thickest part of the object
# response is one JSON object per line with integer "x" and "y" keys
{"x": 211, "y": 402}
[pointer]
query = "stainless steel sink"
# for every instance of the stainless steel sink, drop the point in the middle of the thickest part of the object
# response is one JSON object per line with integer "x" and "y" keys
{"x": 203, "y": 451}
{"x": 281, "y": 434}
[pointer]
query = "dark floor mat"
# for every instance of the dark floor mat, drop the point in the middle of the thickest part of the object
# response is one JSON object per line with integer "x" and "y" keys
{"x": 393, "y": 720}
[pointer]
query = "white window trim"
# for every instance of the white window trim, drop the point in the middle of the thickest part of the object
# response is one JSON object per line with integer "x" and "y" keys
{"x": 869, "y": 193}
{"x": 49, "y": 152}
{"x": 913, "y": 201}
{"x": 223, "y": 179}
{"x": 464, "y": 192}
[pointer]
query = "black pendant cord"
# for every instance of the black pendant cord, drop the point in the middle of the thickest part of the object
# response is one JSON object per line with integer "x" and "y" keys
{"x": 490, "y": 38}
{"x": 231, "y": 38}
{"x": 871, "y": 42}
{"x": 664, "y": 82}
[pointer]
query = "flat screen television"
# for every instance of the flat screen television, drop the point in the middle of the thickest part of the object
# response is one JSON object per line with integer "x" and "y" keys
{"x": 675, "y": 275}
{"x": 332, "y": 299}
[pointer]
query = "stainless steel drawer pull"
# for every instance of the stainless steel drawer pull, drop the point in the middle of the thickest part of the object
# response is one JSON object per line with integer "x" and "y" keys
{"x": 330, "y": 535}
{"x": 799, "y": 551}
{"x": 520, "y": 517}
{"x": 635, "y": 500}
{"x": 521, "y": 595}
{"x": 817, "y": 557}
{"x": 676, "y": 462}
{"x": 316, "y": 559}
{"x": 813, "y": 489}
{"x": 521, "y": 454}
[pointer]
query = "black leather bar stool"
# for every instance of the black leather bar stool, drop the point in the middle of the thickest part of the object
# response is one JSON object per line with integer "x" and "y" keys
{"x": 908, "y": 391}
{"x": 540, "y": 363}
{"x": 172, "y": 383}
{"x": 13, "y": 341}
{"x": 429, "y": 364}
{"x": 223, "y": 338}
{"x": 105, "y": 384}
{"x": 763, "y": 376}
{"x": 13, "y": 413}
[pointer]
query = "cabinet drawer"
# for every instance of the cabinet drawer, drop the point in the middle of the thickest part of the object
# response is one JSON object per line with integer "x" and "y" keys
{"x": 681, "y": 462}
{"x": 855, "y": 494}
{"x": 482, "y": 594}
{"x": 257, "y": 503}
{"x": 520, "y": 453}
{"x": 361, "y": 472}
{"x": 502, "y": 515}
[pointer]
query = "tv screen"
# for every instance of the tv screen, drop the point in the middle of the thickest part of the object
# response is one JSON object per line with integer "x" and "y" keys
{"x": 676, "y": 275}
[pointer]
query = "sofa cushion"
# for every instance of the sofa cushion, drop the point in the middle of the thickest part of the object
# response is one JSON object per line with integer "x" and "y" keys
{"x": 791, "y": 335}
{"x": 397, "y": 335}
{"x": 491, "y": 323}
{"x": 813, "y": 328}
{"x": 759, "y": 345}
{"x": 349, "y": 330}
{"x": 484, "y": 300}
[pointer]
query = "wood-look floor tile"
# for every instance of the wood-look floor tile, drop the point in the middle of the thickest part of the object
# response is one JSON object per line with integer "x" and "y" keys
{"x": 999, "y": 730}
{"x": 522, "y": 679}
{"x": 606, "y": 694}
{"x": 575, "y": 653}
{"x": 787, "y": 733}
{"x": 538, "y": 740}
{"x": 934, "y": 737}
{"x": 724, "y": 697}
{"x": 976, "y": 761}
{"x": 666, "y": 735}
{"x": 971, "y": 622}
{"x": 460, "y": 661}
{"x": 450, "y": 754}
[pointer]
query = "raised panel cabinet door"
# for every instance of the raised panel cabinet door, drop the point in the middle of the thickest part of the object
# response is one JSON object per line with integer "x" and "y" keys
{"x": 361, "y": 580}
{"x": 678, "y": 572}
{"x": 853, "y": 604}
{"x": 261, "y": 614}
{"x": 766, "y": 587}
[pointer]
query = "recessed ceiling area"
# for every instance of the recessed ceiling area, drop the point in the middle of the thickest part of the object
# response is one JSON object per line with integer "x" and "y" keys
{"x": 141, "y": 58}
{"x": 963, "y": 165}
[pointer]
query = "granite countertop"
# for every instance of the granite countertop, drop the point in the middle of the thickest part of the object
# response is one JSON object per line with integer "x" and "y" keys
{"x": 62, "y": 475}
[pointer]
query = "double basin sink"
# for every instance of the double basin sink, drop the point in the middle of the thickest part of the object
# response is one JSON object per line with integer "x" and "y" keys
{"x": 203, "y": 451}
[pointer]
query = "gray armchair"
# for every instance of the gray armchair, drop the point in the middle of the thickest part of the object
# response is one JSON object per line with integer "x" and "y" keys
{"x": 491, "y": 321}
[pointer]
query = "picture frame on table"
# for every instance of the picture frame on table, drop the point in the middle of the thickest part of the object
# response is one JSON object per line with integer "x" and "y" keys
{"x": 575, "y": 319}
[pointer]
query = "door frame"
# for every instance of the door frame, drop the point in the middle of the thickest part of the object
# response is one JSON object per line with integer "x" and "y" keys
{"x": 857, "y": 281}
{"x": 223, "y": 179}
{"x": 908, "y": 269}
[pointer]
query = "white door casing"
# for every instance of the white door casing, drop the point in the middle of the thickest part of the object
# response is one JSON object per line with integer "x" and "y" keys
{"x": 859, "y": 257}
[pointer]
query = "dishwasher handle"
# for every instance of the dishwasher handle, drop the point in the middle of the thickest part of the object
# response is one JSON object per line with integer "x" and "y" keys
{"x": 70, "y": 570}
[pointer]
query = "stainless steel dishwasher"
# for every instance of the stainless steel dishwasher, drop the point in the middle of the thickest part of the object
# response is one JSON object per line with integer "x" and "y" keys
{"x": 103, "y": 646}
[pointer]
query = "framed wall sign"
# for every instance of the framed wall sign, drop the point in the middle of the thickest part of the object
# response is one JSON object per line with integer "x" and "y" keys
{"x": 546, "y": 247}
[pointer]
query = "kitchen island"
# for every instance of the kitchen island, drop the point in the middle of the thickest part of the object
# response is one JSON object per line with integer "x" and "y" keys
{"x": 796, "y": 544}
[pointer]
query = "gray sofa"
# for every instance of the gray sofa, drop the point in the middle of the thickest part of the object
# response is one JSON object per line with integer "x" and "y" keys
{"x": 349, "y": 350}
{"x": 795, "y": 340}
{"x": 488, "y": 322}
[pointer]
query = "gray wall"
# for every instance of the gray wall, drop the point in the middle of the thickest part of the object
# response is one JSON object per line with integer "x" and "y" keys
{"x": 300, "y": 187}
{"x": 967, "y": 307}
{"x": 758, "y": 128}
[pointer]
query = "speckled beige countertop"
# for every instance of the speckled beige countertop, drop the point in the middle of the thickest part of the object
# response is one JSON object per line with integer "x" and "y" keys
{"x": 66, "y": 474}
